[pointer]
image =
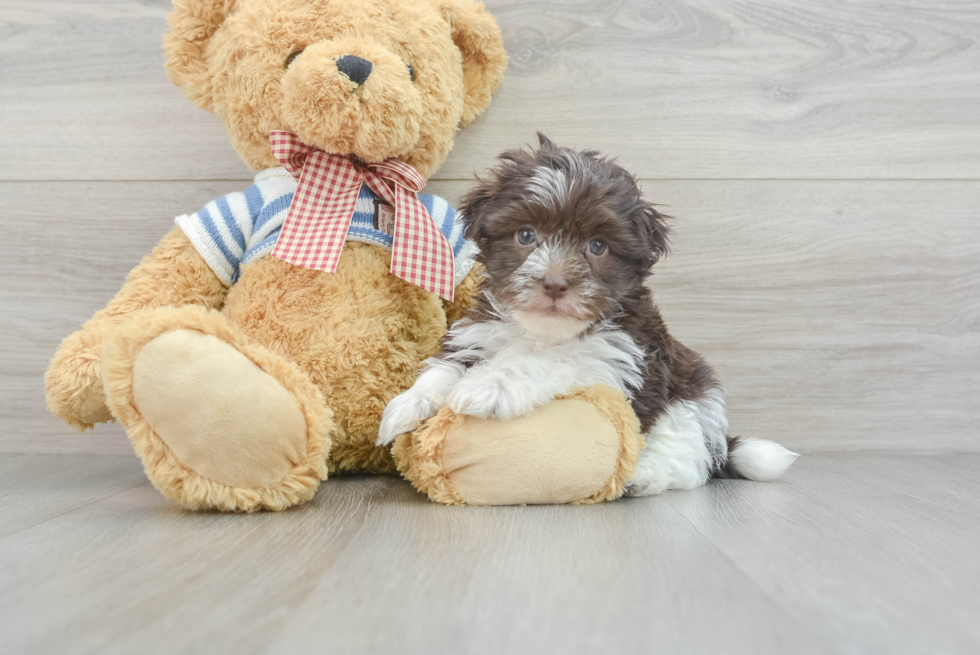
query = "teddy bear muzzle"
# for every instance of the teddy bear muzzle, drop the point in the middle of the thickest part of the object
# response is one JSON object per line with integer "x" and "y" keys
{"x": 354, "y": 68}
{"x": 352, "y": 96}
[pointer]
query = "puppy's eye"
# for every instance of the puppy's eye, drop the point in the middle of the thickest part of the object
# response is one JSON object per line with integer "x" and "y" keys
{"x": 411, "y": 71}
{"x": 526, "y": 237}
{"x": 291, "y": 57}
{"x": 597, "y": 247}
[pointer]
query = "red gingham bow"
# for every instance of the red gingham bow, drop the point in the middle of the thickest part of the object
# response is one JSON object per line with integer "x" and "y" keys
{"x": 316, "y": 225}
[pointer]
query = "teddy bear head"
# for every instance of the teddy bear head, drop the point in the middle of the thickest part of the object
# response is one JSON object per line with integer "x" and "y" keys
{"x": 369, "y": 78}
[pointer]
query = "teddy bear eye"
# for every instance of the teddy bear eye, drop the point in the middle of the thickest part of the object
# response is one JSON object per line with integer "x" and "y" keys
{"x": 291, "y": 57}
{"x": 411, "y": 71}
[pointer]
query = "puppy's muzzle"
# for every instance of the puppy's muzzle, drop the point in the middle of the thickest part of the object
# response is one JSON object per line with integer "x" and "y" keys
{"x": 555, "y": 286}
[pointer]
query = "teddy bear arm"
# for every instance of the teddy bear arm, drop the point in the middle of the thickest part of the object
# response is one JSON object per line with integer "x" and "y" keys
{"x": 465, "y": 295}
{"x": 174, "y": 273}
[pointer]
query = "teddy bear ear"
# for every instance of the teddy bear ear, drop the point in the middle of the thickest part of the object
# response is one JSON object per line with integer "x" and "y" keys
{"x": 477, "y": 36}
{"x": 192, "y": 24}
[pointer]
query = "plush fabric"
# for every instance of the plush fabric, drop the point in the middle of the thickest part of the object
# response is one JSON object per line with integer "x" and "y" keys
{"x": 359, "y": 334}
{"x": 174, "y": 274}
{"x": 581, "y": 448}
{"x": 202, "y": 395}
{"x": 177, "y": 479}
{"x": 229, "y": 58}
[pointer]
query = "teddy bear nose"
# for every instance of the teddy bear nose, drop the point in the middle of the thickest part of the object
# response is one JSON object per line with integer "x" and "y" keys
{"x": 355, "y": 68}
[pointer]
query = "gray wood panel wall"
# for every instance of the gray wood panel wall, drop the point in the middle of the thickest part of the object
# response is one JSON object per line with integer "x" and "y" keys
{"x": 822, "y": 161}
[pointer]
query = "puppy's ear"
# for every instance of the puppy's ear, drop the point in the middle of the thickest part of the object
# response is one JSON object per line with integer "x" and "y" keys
{"x": 502, "y": 183}
{"x": 192, "y": 24}
{"x": 478, "y": 38}
{"x": 545, "y": 142}
{"x": 656, "y": 229}
{"x": 474, "y": 207}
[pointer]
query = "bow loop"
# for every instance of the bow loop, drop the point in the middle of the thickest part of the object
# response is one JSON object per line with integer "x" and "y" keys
{"x": 400, "y": 173}
{"x": 320, "y": 214}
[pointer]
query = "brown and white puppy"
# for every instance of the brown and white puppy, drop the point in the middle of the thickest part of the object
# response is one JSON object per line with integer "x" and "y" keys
{"x": 567, "y": 242}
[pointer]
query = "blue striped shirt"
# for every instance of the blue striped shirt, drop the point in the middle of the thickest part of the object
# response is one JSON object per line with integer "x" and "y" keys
{"x": 243, "y": 227}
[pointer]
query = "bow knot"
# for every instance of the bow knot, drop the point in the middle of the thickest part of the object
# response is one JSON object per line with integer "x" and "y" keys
{"x": 323, "y": 205}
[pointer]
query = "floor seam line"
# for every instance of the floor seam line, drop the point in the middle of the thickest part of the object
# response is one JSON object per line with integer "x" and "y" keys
{"x": 69, "y": 511}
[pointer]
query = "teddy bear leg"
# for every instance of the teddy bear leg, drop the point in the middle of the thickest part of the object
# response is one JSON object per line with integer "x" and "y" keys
{"x": 219, "y": 423}
{"x": 580, "y": 448}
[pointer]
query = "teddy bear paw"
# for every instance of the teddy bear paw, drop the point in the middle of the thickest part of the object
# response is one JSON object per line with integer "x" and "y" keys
{"x": 73, "y": 383}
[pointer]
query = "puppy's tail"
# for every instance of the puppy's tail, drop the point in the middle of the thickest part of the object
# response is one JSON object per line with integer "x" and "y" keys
{"x": 757, "y": 459}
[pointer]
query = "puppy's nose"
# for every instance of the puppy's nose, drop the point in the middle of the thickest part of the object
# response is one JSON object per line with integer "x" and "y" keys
{"x": 556, "y": 286}
{"x": 355, "y": 68}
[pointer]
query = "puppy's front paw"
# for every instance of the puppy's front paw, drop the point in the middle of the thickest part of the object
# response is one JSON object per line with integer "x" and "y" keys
{"x": 477, "y": 400}
{"x": 485, "y": 396}
{"x": 403, "y": 414}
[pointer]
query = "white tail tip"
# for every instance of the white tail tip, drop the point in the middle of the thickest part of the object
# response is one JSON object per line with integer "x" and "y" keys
{"x": 760, "y": 460}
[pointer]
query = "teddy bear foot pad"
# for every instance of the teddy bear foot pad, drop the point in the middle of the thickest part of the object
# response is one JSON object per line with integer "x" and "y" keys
{"x": 219, "y": 423}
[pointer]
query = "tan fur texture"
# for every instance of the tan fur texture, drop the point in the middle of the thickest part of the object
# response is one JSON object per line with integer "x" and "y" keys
{"x": 423, "y": 456}
{"x": 359, "y": 334}
{"x": 173, "y": 274}
{"x": 172, "y": 477}
{"x": 219, "y": 413}
{"x": 618, "y": 411}
{"x": 229, "y": 58}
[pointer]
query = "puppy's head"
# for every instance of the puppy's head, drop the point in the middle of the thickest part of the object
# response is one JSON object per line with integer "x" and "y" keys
{"x": 564, "y": 236}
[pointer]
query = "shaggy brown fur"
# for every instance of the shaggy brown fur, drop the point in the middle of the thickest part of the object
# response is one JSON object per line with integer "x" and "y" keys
{"x": 356, "y": 336}
{"x": 568, "y": 199}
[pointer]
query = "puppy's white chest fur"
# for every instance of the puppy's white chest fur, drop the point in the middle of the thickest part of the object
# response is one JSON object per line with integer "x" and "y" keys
{"x": 512, "y": 371}
{"x": 499, "y": 369}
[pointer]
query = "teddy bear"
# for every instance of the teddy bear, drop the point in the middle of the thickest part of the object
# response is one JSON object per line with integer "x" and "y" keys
{"x": 253, "y": 351}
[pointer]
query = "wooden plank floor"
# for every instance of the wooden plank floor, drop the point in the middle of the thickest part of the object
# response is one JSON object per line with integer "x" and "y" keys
{"x": 852, "y": 553}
